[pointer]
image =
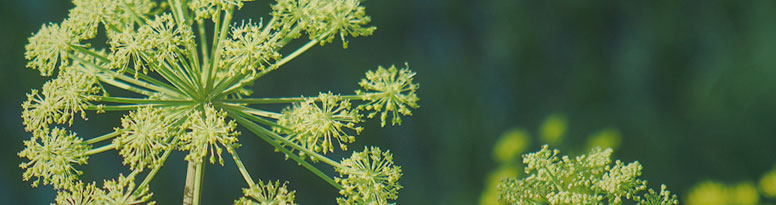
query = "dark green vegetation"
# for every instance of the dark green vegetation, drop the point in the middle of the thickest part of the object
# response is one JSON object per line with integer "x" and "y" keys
{"x": 690, "y": 85}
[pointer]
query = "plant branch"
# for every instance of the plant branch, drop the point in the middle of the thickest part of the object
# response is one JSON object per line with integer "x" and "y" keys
{"x": 263, "y": 134}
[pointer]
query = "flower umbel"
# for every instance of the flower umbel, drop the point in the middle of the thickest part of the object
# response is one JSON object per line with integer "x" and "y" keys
{"x": 314, "y": 126}
{"x": 52, "y": 155}
{"x": 369, "y": 177}
{"x": 207, "y": 130}
{"x": 80, "y": 194}
{"x": 60, "y": 99}
{"x": 50, "y": 47}
{"x": 122, "y": 191}
{"x": 249, "y": 49}
{"x": 389, "y": 90}
{"x": 267, "y": 194}
{"x": 145, "y": 133}
{"x": 323, "y": 19}
{"x": 184, "y": 83}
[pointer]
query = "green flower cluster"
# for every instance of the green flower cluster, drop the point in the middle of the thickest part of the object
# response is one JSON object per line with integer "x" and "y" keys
{"x": 184, "y": 86}
{"x": 369, "y": 177}
{"x": 586, "y": 179}
{"x": 267, "y": 194}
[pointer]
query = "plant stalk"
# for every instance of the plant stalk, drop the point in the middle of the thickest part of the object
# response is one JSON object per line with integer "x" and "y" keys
{"x": 193, "y": 190}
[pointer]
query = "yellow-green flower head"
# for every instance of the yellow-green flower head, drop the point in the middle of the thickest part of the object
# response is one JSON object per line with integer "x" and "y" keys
{"x": 369, "y": 177}
{"x": 267, "y": 194}
{"x": 662, "y": 197}
{"x": 145, "y": 133}
{"x": 314, "y": 126}
{"x": 206, "y": 130}
{"x": 38, "y": 112}
{"x": 122, "y": 191}
{"x": 389, "y": 90}
{"x": 323, "y": 19}
{"x": 249, "y": 49}
{"x": 79, "y": 194}
{"x": 49, "y": 48}
{"x": 622, "y": 181}
{"x": 115, "y": 15}
{"x": 60, "y": 99}
{"x": 208, "y": 8}
{"x": 168, "y": 37}
{"x": 587, "y": 179}
{"x": 133, "y": 47}
{"x": 52, "y": 155}
{"x": 90, "y": 13}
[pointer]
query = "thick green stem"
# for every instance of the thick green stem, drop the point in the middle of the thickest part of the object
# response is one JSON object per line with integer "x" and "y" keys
{"x": 198, "y": 183}
{"x": 193, "y": 190}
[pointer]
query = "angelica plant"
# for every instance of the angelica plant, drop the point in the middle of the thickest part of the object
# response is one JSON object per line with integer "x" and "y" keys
{"x": 189, "y": 90}
{"x": 586, "y": 179}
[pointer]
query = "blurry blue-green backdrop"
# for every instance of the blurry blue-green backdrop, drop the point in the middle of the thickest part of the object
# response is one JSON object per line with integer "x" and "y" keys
{"x": 691, "y": 85}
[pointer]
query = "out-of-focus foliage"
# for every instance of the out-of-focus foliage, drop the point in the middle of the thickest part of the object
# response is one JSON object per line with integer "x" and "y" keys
{"x": 506, "y": 152}
{"x": 712, "y": 193}
{"x": 608, "y": 137}
{"x": 768, "y": 184}
{"x": 510, "y": 145}
{"x": 746, "y": 192}
{"x": 553, "y": 128}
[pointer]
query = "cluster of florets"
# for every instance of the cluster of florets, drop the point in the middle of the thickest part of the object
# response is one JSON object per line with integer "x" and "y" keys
{"x": 208, "y": 130}
{"x": 323, "y": 19}
{"x": 189, "y": 92}
{"x": 145, "y": 133}
{"x": 121, "y": 191}
{"x": 389, "y": 90}
{"x": 52, "y": 156}
{"x": 267, "y": 193}
{"x": 369, "y": 177}
{"x": 587, "y": 179}
{"x": 314, "y": 126}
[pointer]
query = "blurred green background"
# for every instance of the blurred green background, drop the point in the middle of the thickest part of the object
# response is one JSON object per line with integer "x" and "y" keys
{"x": 689, "y": 85}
